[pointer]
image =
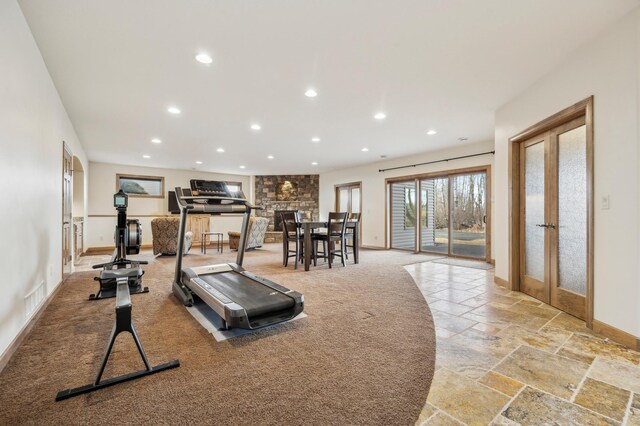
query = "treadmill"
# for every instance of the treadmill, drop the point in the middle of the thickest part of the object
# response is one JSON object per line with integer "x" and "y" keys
{"x": 240, "y": 298}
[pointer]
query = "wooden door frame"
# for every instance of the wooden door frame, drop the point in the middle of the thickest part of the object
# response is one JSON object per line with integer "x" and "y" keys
{"x": 448, "y": 174}
{"x": 66, "y": 150}
{"x": 582, "y": 108}
{"x": 336, "y": 192}
{"x": 336, "y": 187}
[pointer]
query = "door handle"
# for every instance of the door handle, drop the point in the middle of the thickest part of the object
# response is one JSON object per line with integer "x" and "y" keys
{"x": 546, "y": 225}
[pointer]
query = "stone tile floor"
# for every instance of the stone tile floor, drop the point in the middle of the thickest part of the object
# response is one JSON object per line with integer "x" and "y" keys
{"x": 504, "y": 358}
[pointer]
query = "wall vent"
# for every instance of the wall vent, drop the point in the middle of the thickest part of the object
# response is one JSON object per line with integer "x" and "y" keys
{"x": 33, "y": 300}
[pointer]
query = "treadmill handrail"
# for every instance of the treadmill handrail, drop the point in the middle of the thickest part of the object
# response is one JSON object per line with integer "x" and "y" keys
{"x": 244, "y": 206}
{"x": 183, "y": 202}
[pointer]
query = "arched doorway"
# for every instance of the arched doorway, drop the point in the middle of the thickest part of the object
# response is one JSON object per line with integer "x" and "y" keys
{"x": 78, "y": 209}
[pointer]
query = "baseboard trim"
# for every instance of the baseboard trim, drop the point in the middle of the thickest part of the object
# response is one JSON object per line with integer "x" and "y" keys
{"x": 94, "y": 250}
{"x": 26, "y": 329}
{"x": 372, "y": 247}
{"x": 501, "y": 282}
{"x": 617, "y": 335}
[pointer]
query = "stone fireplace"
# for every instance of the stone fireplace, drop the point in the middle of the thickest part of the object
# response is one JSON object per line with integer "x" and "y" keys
{"x": 286, "y": 193}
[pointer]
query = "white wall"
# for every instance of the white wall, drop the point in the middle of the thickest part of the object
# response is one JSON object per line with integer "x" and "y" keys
{"x": 373, "y": 186}
{"x": 607, "y": 68}
{"x": 102, "y": 185}
{"x": 33, "y": 124}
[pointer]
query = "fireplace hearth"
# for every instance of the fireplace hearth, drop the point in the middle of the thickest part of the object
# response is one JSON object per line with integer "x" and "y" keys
{"x": 277, "y": 219}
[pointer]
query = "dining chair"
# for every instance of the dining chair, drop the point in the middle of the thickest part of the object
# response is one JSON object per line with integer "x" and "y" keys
{"x": 291, "y": 234}
{"x": 350, "y": 234}
{"x": 336, "y": 231}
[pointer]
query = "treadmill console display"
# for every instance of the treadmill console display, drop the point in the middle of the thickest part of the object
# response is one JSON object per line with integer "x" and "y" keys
{"x": 213, "y": 188}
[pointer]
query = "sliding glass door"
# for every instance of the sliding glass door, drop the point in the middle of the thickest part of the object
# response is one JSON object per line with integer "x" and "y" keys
{"x": 468, "y": 215}
{"x": 434, "y": 200}
{"x": 445, "y": 214}
{"x": 403, "y": 215}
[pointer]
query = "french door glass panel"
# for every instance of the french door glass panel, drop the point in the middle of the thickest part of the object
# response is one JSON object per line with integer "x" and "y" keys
{"x": 468, "y": 212}
{"x": 572, "y": 210}
{"x": 403, "y": 215}
{"x": 534, "y": 211}
{"x": 343, "y": 203}
{"x": 434, "y": 215}
{"x": 355, "y": 200}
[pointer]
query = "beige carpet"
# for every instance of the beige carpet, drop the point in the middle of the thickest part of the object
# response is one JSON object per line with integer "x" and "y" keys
{"x": 364, "y": 355}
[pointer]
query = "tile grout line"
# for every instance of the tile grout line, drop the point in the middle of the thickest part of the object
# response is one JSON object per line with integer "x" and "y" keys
{"x": 547, "y": 323}
{"x": 431, "y": 416}
{"x": 627, "y": 412}
{"x": 444, "y": 411}
{"x": 573, "y": 403}
{"x": 504, "y": 407}
{"x": 454, "y": 418}
{"x": 584, "y": 379}
{"x": 571, "y": 333}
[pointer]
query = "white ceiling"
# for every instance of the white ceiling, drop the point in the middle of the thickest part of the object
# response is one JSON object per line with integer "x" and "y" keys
{"x": 442, "y": 64}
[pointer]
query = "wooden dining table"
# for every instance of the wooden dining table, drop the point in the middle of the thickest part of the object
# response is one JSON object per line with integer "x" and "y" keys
{"x": 309, "y": 225}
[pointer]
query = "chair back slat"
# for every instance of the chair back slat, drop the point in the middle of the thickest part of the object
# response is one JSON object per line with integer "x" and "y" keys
{"x": 337, "y": 223}
{"x": 291, "y": 224}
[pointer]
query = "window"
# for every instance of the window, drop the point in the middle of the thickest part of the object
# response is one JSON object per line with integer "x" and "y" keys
{"x": 234, "y": 186}
{"x": 141, "y": 186}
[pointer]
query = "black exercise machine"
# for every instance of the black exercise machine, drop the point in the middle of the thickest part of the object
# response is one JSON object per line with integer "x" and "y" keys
{"x": 128, "y": 238}
{"x": 123, "y": 323}
{"x": 240, "y": 298}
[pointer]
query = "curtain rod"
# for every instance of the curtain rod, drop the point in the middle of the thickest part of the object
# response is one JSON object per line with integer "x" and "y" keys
{"x": 436, "y": 161}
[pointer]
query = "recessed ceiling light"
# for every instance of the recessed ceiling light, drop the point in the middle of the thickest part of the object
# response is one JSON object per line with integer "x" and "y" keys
{"x": 270, "y": 157}
{"x": 156, "y": 140}
{"x": 256, "y": 126}
{"x": 431, "y": 132}
{"x": 364, "y": 149}
{"x": 315, "y": 163}
{"x": 311, "y": 93}
{"x": 198, "y": 162}
{"x": 243, "y": 167}
{"x": 380, "y": 115}
{"x": 174, "y": 110}
{"x": 316, "y": 139}
{"x": 220, "y": 149}
{"x": 146, "y": 156}
{"x": 203, "y": 58}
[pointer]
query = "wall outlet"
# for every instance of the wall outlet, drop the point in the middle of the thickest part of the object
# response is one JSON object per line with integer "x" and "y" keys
{"x": 33, "y": 300}
{"x": 604, "y": 202}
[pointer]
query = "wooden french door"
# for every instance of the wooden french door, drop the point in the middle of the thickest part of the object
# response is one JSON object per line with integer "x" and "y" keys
{"x": 349, "y": 197}
{"x": 554, "y": 216}
{"x": 66, "y": 210}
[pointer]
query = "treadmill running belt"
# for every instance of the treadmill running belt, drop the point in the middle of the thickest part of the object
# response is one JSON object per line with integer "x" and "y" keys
{"x": 254, "y": 297}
